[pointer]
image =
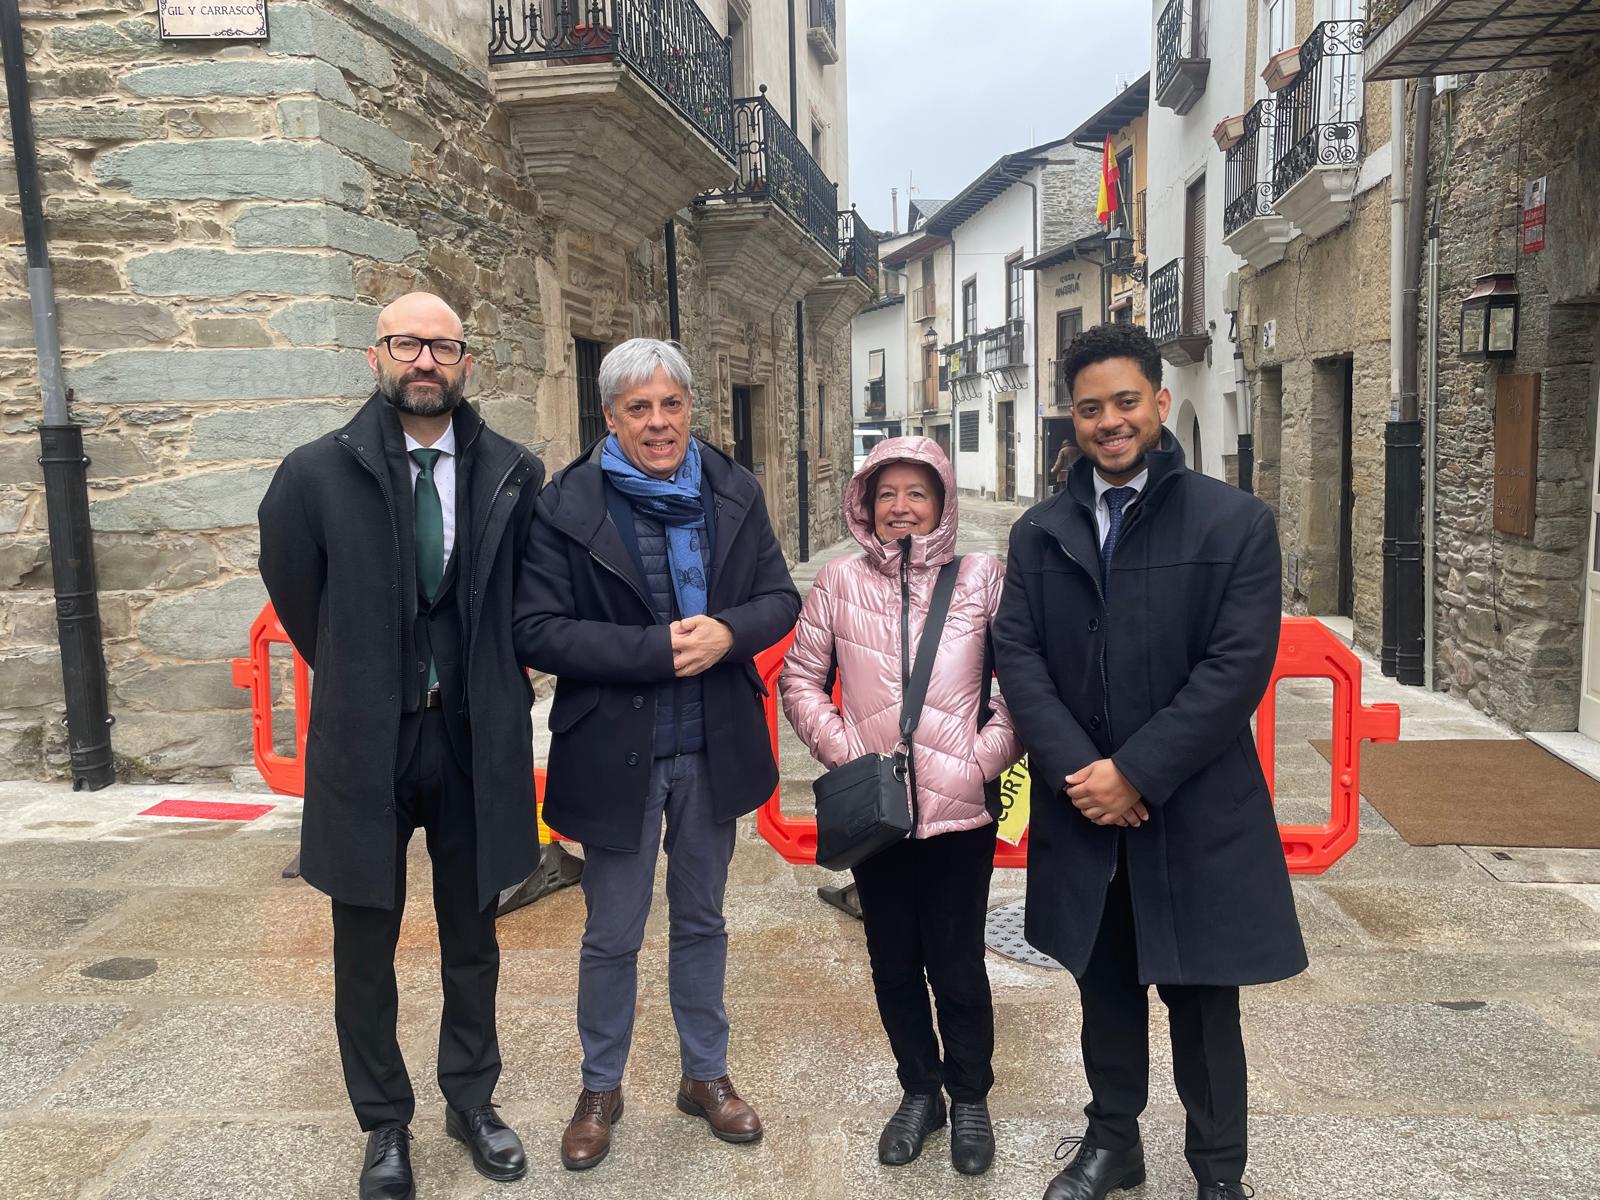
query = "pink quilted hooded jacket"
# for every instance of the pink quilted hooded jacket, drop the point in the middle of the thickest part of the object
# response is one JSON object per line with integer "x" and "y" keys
{"x": 853, "y": 613}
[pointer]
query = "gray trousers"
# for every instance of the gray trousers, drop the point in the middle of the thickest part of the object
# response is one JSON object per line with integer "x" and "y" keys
{"x": 617, "y": 889}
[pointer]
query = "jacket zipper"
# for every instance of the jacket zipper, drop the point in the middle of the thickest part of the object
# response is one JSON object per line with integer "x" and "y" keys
{"x": 399, "y": 613}
{"x": 905, "y": 668}
{"x": 1105, "y": 679}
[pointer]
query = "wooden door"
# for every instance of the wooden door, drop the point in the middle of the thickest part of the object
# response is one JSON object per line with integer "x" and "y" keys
{"x": 1194, "y": 263}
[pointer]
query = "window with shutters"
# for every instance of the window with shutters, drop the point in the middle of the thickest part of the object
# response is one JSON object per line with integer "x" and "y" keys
{"x": 968, "y": 443}
{"x": 1014, "y": 288}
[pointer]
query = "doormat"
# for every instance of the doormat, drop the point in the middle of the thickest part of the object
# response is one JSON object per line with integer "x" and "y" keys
{"x": 1501, "y": 792}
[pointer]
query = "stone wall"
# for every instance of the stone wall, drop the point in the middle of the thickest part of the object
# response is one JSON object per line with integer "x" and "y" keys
{"x": 1330, "y": 299}
{"x": 1508, "y": 609}
{"x": 225, "y": 221}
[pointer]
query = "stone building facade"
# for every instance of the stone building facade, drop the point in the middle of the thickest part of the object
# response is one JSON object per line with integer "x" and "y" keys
{"x": 1509, "y": 611}
{"x": 225, "y": 221}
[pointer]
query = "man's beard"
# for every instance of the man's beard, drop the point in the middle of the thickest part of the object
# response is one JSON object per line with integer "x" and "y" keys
{"x": 405, "y": 395}
{"x": 1143, "y": 446}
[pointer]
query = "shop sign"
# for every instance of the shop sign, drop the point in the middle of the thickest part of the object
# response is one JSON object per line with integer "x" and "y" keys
{"x": 219, "y": 20}
{"x": 1533, "y": 215}
{"x": 1070, "y": 285}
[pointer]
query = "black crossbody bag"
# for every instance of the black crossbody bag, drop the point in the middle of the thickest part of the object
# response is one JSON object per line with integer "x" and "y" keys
{"x": 866, "y": 805}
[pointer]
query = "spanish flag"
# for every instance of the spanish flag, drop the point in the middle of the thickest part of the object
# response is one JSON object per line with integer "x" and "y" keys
{"x": 1109, "y": 178}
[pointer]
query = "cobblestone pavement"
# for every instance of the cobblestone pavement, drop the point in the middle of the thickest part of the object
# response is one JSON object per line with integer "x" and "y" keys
{"x": 166, "y": 1030}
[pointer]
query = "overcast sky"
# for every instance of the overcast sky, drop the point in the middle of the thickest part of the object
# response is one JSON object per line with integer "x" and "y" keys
{"x": 939, "y": 89}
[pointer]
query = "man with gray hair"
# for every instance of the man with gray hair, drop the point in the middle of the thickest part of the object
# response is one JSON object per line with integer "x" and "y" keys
{"x": 651, "y": 580}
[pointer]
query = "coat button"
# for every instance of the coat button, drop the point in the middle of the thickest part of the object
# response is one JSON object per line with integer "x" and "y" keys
{"x": 421, "y": 666}
{"x": 632, "y": 760}
{"x": 638, "y": 701}
{"x": 1094, "y": 722}
{"x": 1094, "y": 623}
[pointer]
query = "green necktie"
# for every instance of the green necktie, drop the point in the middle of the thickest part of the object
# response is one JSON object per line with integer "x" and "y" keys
{"x": 429, "y": 523}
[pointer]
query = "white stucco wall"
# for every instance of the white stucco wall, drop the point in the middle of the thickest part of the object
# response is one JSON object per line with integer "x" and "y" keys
{"x": 883, "y": 329}
{"x": 1003, "y": 227}
{"x": 1180, "y": 150}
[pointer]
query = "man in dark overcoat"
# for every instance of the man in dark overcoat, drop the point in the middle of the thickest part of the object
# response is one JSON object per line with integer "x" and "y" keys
{"x": 651, "y": 581}
{"x": 1134, "y": 640}
{"x": 390, "y": 549}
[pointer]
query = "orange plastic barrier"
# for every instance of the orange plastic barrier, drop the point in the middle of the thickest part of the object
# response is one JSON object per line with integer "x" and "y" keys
{"x": 1307, "y": 649}
{"x": 283, "y": 774}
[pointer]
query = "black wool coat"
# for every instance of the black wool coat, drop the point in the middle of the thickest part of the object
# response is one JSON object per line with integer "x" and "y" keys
{"x": 1160, "y": 672}
{"x": 338, "y": 559}
{"x": 583, "y": 614}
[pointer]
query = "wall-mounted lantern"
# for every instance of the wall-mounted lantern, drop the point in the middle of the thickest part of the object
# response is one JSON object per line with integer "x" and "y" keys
{"x": 1489, "y": 318}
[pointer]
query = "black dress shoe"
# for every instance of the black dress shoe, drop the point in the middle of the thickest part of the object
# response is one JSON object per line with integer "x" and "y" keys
{"x": 386, "y": 1171}
{"x": 1094, "y": 1172}
{"x": 1225, "y": 1191}
{"x": 971, "y": 1138}
{"x": 917, "y": 1117}
{"x": 496, "y": 1149}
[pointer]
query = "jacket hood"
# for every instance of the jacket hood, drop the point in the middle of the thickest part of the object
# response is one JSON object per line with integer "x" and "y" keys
{"x": 927, "y": 549}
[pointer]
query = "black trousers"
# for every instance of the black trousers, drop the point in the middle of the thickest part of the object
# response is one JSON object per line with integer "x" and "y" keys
{"x": 1207, "y": 1049}
{"x": 923, "y": 903}
{"x": 432, "y": 793}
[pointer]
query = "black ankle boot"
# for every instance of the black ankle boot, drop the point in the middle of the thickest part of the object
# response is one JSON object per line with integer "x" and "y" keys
{"x": 971, "y": 1137}
{"x": 917, "y": 1117}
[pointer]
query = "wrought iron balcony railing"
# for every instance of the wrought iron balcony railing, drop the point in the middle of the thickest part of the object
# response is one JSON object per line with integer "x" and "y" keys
{"x": 963, "y": 359}
{"x": 877, "y": 400}
{"x": 858, "y": 250}
{"x": 1178, "y": 301}
{"x": 1318, "y": 115}
{"x": 1248, "y": 184}
{"x": 1005, "y": 346}
{"x": 1181, "y": 36}
{"x": 668, "y": 43}
{"x": 775, "y": 165}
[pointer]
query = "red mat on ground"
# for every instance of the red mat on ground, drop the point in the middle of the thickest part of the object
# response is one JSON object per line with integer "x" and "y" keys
{"x": 208, "y": 810}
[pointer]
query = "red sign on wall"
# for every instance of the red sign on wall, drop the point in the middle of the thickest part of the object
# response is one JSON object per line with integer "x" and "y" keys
{"x": 1533, "y": 215}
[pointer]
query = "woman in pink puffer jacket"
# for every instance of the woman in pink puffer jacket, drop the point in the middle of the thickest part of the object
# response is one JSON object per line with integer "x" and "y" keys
{"x": 923, "y": 899}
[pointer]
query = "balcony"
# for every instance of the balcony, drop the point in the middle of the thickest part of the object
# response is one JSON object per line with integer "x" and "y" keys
{"x": 1317, "y": 141}
{"x": 962, "y": 365}
{"x": 1449, "y": 37}
{"x": 1060, "y": 390}
{"x": 822, "y": 31}
{"x": 839, "y": 297}
{"x": 877, "y": 406}
{"x": 622, "y": 109}
{"x": 1181, "y": 61}
{"x": 1178, "y": 323}
{"x": 1251, "y": 227}
{"x": 775, "y": 228}
{"x": 923, "y": 304}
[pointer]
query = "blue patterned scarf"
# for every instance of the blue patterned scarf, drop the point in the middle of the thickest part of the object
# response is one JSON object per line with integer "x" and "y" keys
{"x": 676, "y": 504}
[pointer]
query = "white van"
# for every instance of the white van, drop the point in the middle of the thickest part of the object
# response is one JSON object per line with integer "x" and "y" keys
{"x": 866, "y": 439}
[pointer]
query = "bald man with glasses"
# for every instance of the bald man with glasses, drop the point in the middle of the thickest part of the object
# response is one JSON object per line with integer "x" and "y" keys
{"x": 390, "y": 549}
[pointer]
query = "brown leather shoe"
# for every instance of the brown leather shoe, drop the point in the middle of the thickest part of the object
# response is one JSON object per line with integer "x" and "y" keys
{"x": 730, "y": 1118}
{"x": 587, "y": 1137}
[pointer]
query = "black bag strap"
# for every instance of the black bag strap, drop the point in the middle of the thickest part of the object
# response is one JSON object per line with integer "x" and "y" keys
{"x": 916, "y": 691}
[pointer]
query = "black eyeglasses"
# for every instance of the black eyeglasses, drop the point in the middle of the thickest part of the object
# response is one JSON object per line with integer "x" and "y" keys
{"x": 447, "y": 352}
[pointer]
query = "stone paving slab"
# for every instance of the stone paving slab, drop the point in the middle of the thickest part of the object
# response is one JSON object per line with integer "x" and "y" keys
{"x": 165, "y": 1007}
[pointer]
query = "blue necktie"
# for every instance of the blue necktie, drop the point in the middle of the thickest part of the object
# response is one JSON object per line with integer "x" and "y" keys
{"x": 1117, "y": 499}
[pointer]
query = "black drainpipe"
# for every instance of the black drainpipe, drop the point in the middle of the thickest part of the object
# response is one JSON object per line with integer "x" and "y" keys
{"x": 61, "y": 458}
{"x": 672, "y": 281}
{"x": 802, "y": 456}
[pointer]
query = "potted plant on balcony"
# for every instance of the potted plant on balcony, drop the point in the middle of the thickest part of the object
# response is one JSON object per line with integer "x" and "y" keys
{"x": 593, "y": 38}
{"x": 1228, "y": 132}
{"x": 1281, "y": 69}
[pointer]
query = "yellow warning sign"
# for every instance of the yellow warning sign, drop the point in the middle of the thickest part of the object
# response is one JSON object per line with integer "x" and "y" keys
{"x": 1014, "y": 789}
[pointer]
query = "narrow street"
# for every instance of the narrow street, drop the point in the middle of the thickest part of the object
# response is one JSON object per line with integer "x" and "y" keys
{"x": 166, "y": 1019}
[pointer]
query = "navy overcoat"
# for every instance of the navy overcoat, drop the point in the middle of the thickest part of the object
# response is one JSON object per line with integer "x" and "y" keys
{"x": 1159, "y": 669}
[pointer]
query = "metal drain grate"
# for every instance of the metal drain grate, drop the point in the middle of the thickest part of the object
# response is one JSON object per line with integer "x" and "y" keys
{"x": 1002, "y": 933}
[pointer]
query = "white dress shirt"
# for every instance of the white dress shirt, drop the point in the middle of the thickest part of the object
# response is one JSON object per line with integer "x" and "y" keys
{"x": 444, "y": 479}
{"x": 1102, "y": 510}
